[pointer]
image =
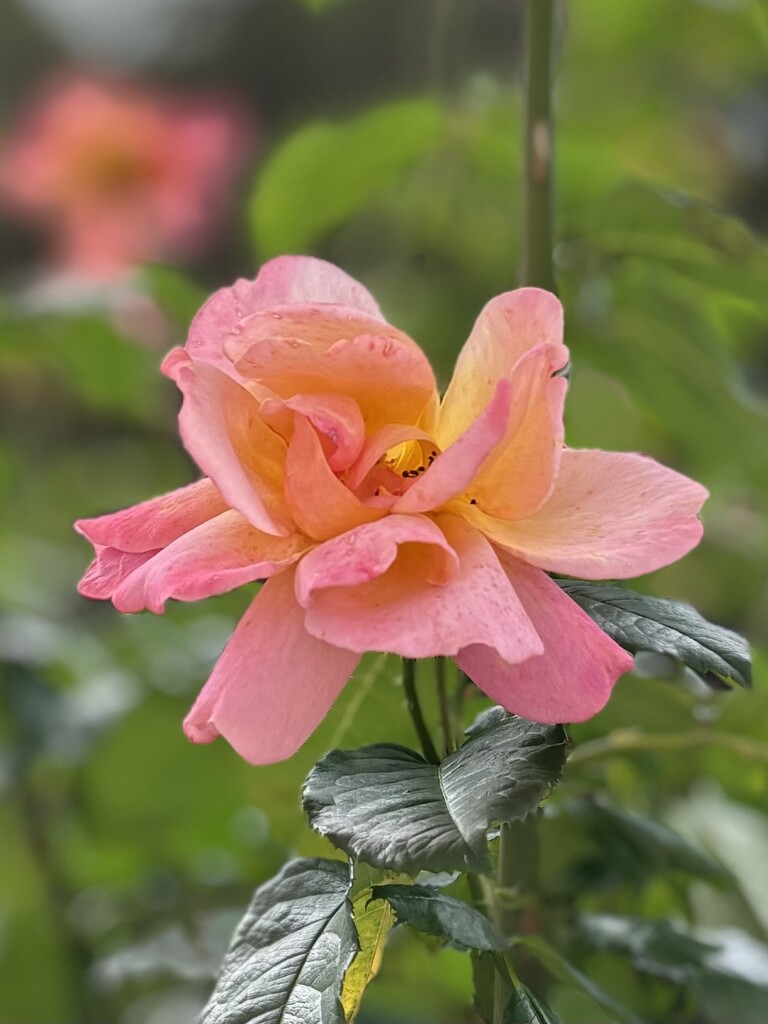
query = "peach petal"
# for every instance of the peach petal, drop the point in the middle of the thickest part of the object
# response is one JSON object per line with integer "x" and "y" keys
{"x": 280, "y": 282}
{"x": 153, "y": 524}
{"x": 519, "y": 477}
{"x": 320, "y": 504}
{"x": 108, "y": 570}
{"x": 612, "y": 515}
{"x": 336, "y": 418}
{"x": 380, "y": 442}
{"x": 509, "y": 325}
{"x": 224, "y": 553}
{"x": 413, "y": 589}
{"x": 455, "y": 469}
{"x": 273, "y": 684}
{"x": 222, "y": 430}
{"x": 573, "y": 678}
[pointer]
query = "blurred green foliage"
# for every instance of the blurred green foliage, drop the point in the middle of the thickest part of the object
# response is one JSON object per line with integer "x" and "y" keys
{"x": 127, "y": 853}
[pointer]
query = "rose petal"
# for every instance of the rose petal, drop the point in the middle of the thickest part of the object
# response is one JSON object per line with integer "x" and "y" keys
{"x": 455, "y": 469}
{"x": 377, "y": 445}
{"x": 108, "y": 570}
{"x": 411, "y": 587}
{"x": 612, "y": 515}
{"x": 224, "y": 553}
{"x": 334, "y": 350}
{"x": 225, "y": 435}
{"x": 155, "y": 523}
{"x": 573, "y": 678}
{"x": 507, "y": 328}
{"x": 519, "y": 476}
{"x": 320, "y": 504}
{"x": 274, "y": 682}
{"x": 284, "y": 280}
{"x": 336, "y": 418}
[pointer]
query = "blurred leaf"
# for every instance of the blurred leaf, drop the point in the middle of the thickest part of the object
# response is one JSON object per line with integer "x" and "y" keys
{"x": 176, "y": 295}
{"x": 565, "y": 972}
{"x": 325, "y": 173}
{"x": 642, "y": 623}
{"x": 322, "y": 5}
{"x": 525, "y": 1008}
{"x": 289, "y": 955}
{"x": 386, "y": 805}
{"x": 437, "y": 914}
{"x": 642, "y": 847}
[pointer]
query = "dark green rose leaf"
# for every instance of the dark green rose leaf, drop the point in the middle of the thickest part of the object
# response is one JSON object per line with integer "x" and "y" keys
{"x": 386, "y": 805}
{"x": 525, "y": 1008}
{"x": 435, "y": 913}
{"x": 641, "y": 847}
{"x": 289, "y": 955}
{"x": 641, "y": 623}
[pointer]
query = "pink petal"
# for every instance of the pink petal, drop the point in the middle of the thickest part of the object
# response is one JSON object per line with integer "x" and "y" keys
{"x": 155, "y": 523}
{"x": 282, "y": 281}
{"x": 336, "y": 418}
{"x": 320, "y": 504}
{"x": 573, "y": 678}
{"x": 222, "y": 554}
{"x": 225, "y": 435}
{"x": 108, "y": 570}
{"x": 273, "y": 684}
{"x": 507, "y": 328}
{"x": 315, "y": 349}
{"x": 612, "y": 515}
{"x": 454, "y": 470}
{"x": 412, "y": 587}
{"x": 377, "y": 445}
{"x": 520, "y": 475}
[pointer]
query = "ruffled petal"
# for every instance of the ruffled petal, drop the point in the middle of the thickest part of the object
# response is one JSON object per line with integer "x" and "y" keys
{"x": 108, "y": 570}
{"x": 454, "y": 470}
{"x": 506, "y": 329}
{"x": 320, "y": 504}
{"x": 218, "y": 556}
{"x": 281, "y": 281}
{"x": 612, "y": 515}
{"x": 326, "y": 349}
{"x": 573, "y": 678}
{"x": 273, "y": 684}
{"x": 336, "y": 418}
{"x": 222, "y": 430}
{"x": 412, "y": 587}
{"x": 153, "y": 524}
{"x": 520, "y": 475}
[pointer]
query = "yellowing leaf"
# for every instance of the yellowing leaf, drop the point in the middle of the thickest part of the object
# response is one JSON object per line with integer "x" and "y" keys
{"x": 373, "y": 924}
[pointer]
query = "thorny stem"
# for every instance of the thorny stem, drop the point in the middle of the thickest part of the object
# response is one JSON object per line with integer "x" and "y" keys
{"x": 414, "y": 710}
{"x": 518, "y": 845}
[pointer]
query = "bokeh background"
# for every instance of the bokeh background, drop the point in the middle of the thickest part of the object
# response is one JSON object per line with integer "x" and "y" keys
{"x": 385, "y": 136}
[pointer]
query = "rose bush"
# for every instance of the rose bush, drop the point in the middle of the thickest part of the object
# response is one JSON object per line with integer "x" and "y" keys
{"x": 382, "y": 518}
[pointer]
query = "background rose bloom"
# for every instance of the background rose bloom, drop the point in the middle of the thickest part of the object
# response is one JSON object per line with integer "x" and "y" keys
{"x": 382, "y": 518}
{"x": 121, "y": 174}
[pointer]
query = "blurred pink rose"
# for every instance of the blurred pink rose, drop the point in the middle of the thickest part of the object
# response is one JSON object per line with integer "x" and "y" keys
{"x": 382, "y": 518}
{"x": 119, "y": 174}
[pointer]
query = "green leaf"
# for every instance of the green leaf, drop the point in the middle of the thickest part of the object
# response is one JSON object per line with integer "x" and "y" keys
{"x": 640, "y": 846}
{"x": 435, "y": 913}
{"x": 525, "y": 1008}
{"x": 565, "y": 972}
{"x": 326, "y": 172}
{"x": 321, "y": 5}
{"x": 642, "y": 623}
{"x": 289, "y": 956}
{"x": 388, "y": 806}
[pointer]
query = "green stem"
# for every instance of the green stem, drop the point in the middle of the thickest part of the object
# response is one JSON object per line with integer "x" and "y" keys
{"x": 414, "y": 710}
{"x": 538, "y": 236}
{"x": 446, "y": 722}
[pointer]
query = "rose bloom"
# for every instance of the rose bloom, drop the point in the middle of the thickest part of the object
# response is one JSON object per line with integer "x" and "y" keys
{"x": 382, "y": 518}
{"x": 119, "y": 174}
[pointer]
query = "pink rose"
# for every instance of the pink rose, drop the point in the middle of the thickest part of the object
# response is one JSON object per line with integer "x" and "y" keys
{"x": 121, "y": 175}
{"x": 382, "y": 518}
